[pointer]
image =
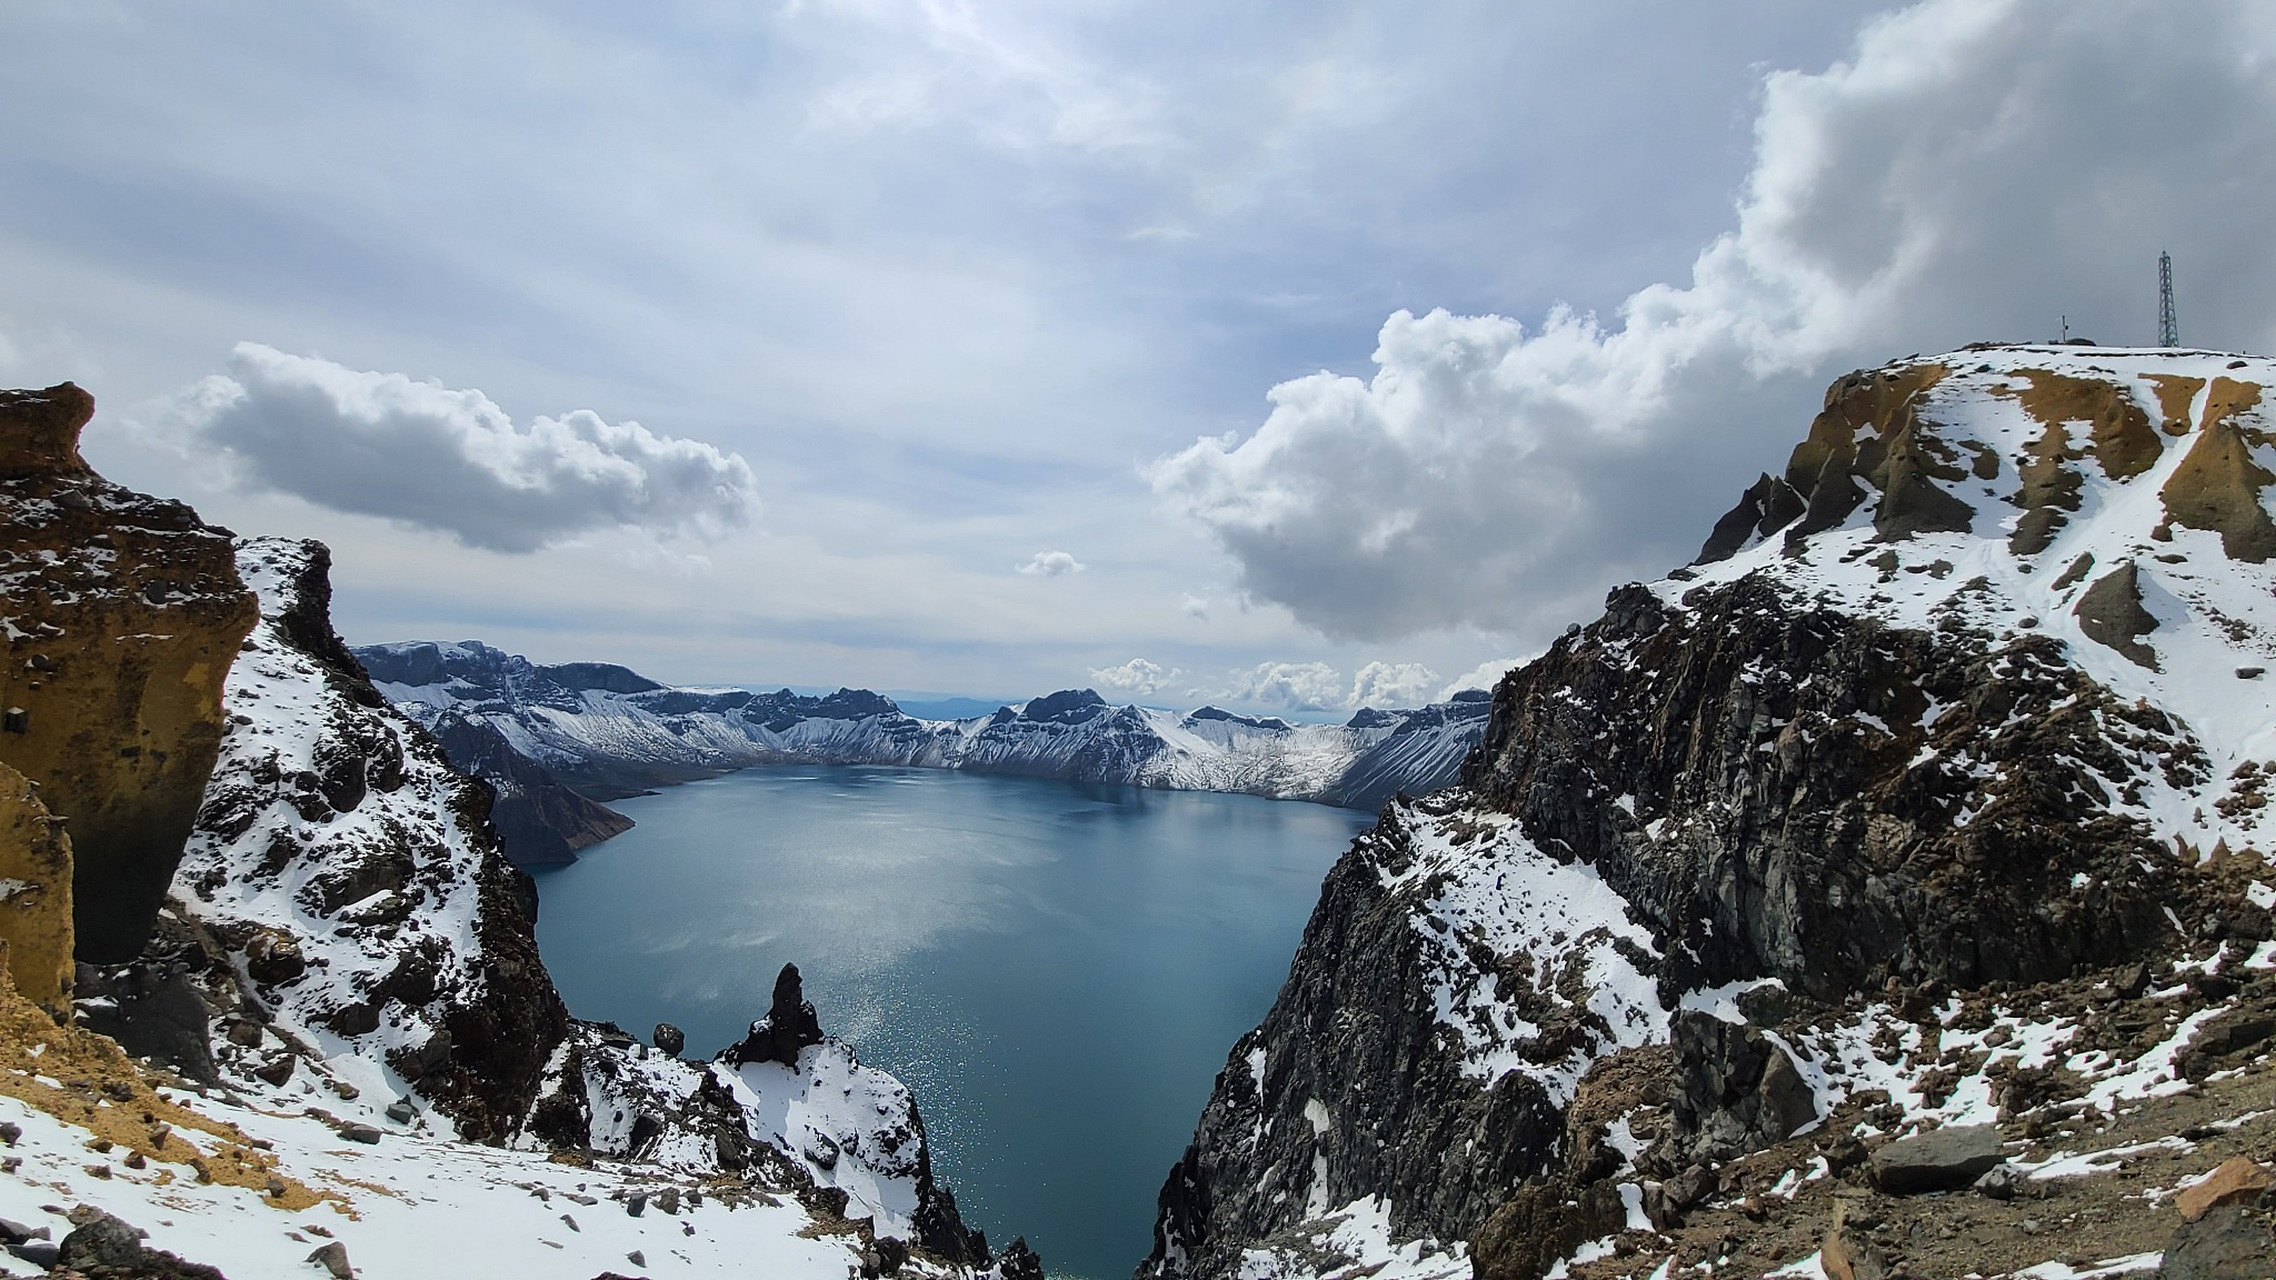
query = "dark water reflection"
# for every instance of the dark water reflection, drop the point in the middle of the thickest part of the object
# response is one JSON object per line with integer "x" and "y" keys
{"x": 1058, "y": 970}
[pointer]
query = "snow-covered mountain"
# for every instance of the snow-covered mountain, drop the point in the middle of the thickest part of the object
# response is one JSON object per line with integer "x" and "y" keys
{"x": 605, "y": 731}
{"x": 1933, "y": 797}
{"x": 332, "y": 1047}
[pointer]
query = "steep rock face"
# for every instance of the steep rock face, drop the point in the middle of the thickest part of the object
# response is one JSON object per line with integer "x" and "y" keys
{"x": 35, "y": 895}
{"x": 1431, "y": 1032}
{"x": 346, "y": 893}
{"x": 124, "y": 612}
{"x": 1856, "y": 825}
{"x": 354, "y": 876}
{"x": 1813, "y": 796}
{"x": 542, "y": 822}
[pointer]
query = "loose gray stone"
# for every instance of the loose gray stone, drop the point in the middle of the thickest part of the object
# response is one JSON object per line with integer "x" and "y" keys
{"x": 1940, "y": 1160}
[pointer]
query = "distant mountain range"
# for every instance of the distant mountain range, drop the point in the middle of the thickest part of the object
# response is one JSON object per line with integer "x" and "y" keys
{"x": 558, "y": 741}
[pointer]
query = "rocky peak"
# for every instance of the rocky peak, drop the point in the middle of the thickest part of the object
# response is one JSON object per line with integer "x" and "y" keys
{"x": 790, "y": 1025}
{"x": 1068, "y": 706}
{"x": 124, "y": 613}
{"x": 1951, "y": 749}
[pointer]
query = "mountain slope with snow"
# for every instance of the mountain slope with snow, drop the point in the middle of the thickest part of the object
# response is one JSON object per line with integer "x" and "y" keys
{"x": 1933, "y": 794}
{"x": 377, "y": 1014}
{"x": 607, "y": 732}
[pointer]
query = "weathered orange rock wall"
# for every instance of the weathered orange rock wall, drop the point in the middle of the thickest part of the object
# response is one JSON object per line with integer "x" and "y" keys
{"x": 121, "y": 614}
{"x": 35, "y": 895}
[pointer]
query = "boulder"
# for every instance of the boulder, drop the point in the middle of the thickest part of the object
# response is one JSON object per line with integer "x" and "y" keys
{"x": 1939, "y": 1160}
{"x": 2225, "y": 1244}
{"x": 1542, "y": 1223}
{"x": 1735, "y": 1091}
{"x": 104, "y": 1245}
{"x": 1847, "y": 1254}
{"x": 333, "y": 1257}
{"x": 668, "y": 1039}
{"x": 2237, "y": 1180}
{"x": 154, "y": 1010}
{"x": 2110, "y": 612}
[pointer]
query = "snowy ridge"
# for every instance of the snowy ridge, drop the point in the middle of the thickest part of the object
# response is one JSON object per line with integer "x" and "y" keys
{"x": 1512, "y": 934}
{"x": 346, "y": 866}
{"x": 2112, "y": 449}
{"x": 2029, "y": 590}
{"x": 609, "y": 732}
{"x": 379, "y": 1013}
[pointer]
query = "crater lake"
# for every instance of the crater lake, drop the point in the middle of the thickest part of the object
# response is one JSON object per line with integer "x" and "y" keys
{"x": 1057, "y": 970}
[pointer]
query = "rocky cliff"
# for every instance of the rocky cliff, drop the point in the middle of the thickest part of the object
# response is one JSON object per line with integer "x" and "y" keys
{"x": 35, "y": 895}
{"x": 1929, "y": 799}
{"x": 363, "y": 928}
{"x": 347, "y": 958}
{"x": 124, "y": 612}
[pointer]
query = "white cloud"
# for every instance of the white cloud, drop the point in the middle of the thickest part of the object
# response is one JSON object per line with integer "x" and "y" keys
{"x": 1391, "y": 684}
{"x": 1316, "y": 686}
{"x": 1968, "y": 173}
{"x": 1137, "y": 677}
{"x": 1291, "y": 686}
{"x": 1483, "y": 676}
{"x": 1050, "y": 564}
{"x": 453, "y": 461}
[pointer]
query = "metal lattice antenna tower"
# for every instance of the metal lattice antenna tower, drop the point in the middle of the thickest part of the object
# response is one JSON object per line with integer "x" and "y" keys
{"x": 2168, "y": 329}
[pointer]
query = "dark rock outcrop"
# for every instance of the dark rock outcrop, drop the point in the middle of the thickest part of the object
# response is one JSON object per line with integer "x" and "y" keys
{"x": 2110, "y": 612}
{"x": 1809, "y": 845}
{"x": 125, "y": 612}
{"x": 1869, "y": 786}
{"x": 1351, "y": 1078}
{"x": 790, "y": 1025}
{"x": 1735, "y": 1091}
{"x": 432, "y": 930}
{"x": 2226, "y": 1244}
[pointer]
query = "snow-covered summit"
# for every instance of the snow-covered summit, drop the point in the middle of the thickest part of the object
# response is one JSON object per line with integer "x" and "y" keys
{"x": 2115, "y": 500}
{"x": 1932, "y": 794}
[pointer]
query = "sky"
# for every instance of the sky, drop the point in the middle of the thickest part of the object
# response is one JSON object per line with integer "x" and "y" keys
{"x": 1295, "y": 357}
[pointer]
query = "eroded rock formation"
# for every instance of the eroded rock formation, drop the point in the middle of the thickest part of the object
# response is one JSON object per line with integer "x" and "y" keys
{"x": 123, "y": 614}
{"x": 35, "y": 895}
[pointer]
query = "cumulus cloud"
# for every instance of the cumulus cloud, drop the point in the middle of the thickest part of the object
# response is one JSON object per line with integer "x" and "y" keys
{"x": 1050, "y": 564}
{"x": 1391, "y": 684}
{"x": 1974, "y": 168}
{"x": 1292, "y": 686}
{"x": 426, "y": 455}
{"x": 1137, "y": 677}
{"x": 1316, "y": 686}
{"x": 1483, "y": 676}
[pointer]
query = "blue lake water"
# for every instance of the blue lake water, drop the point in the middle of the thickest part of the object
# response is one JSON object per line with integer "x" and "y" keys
{"x": 1057, "y": 970}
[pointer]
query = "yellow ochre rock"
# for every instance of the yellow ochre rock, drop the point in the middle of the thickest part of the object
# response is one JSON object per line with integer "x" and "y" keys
{"x": 121, "y": 614}
{"x": 35, "y": 895}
